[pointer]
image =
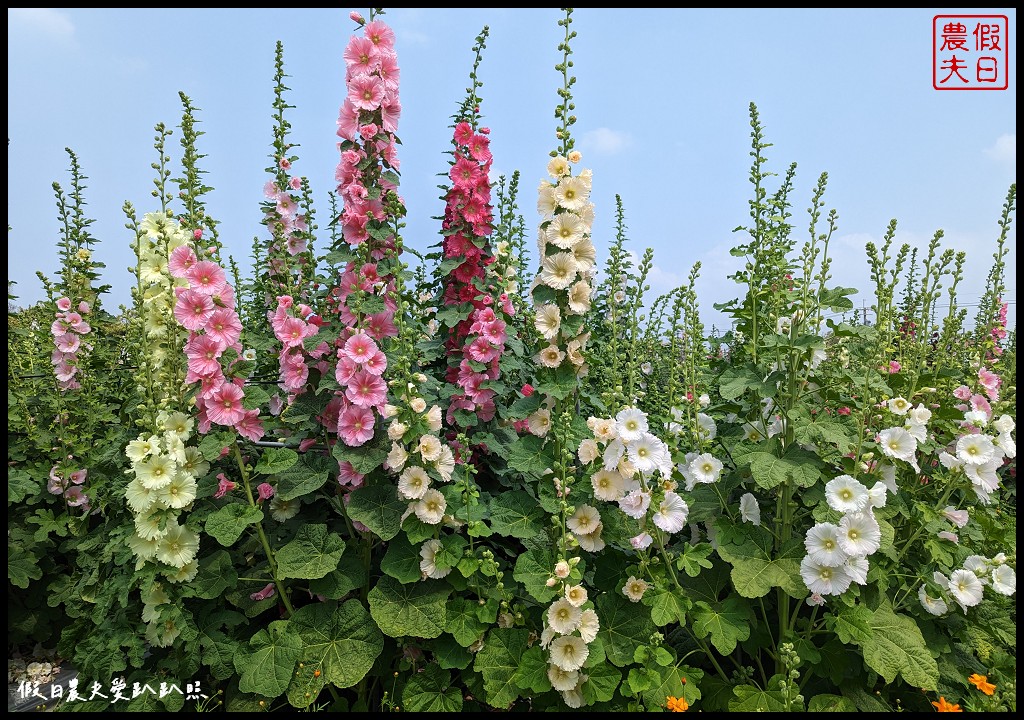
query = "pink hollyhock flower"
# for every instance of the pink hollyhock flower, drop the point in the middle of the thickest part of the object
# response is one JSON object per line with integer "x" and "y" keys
{"x": 946, "y": 535}
{"x": 843, "y": 410}
{"x": 83, "y": 307}
{"x": 482, "y": 351}
{"x": 295, "y": 183}
{"x": 270, "y": 190}
{"x": 366, "y": 390}
{"x": 296, "y": 245}
{"x": 267, "y": 592}
{"x": 67, "y": 343}
{"x": 361, "y": 57}
{"x": 59, "y": 327}
{"x": 193, "y": 309}
{"x": 72, "y": 318}
{"x": 988, "y": 379}
{"x": 479, "y": 148}
{"x": 81, "y": 327}
{"x": 463, "y": 133}
{"x": 359, "y": 348}
{"x": 376, "y": 364}
{"x": 78, "y": 476}
{"x": 265, "y": 491}
{"x": 64, "y": 304}
{"x": 381, "y": 325}
{"x": 224, "y": 406}
{"x": 286, "y": 205}
{"x": 348, "y": 120}
{"x": 978, "y": 402}
{"x": 894, "y": 367}
{"x": 347, "y": 475}
{"x": 203, "y": 352}
{"x": 957, "y": 517}
{"x": 181, "y": 260}
{"x": 356, "y": 17}
{"x": 292, "y": 332}
{"x": 224, "y": 326}
{"x": 294, "y": 371}
{"x": 391, "y": 74}
{"x": 494, "y": 332}
{"x": 74, "y": 496}
{"x": 485, "y": 409}
{"x": 366, "y": 92}
{"x": 344, "y": 370}
{"x": 284, "y": 163}
{"x": 251, "y": 426}
{"x": 224, "y": 486}
{"x": 390, "y": 112}
{"x": 64, "y": 372}
{"x": 369, "y": 131}
{"x": 355, "y": 425}
{"x": 206, "y": 277}
{"x": 962, "y": 393}
{"x": 381, "y": 35}
{"x": 527, "y": 390}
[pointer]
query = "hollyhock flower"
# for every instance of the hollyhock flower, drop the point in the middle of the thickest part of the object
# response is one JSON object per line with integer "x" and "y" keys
{"x": 705, "y": 468}
{"x": 671, "y": 514}
{"x": 360, "y": 347}
{"x": 824, "y": 579}
{"x": 224, "y": 486}
{"x": 224, "y": 406}
{"x": 635, "y": 504}
{"x": 823, "y": 547}
{"x": 569, "y": 652}
{"x": 355, "y": 425}
{"x": 430, "y": 508}
{"x": 935, "y": 606}
{"x": 579, "y": 298}
{"x": 265, "y": 491}
{"x": 181, "y": 260}
{"x": 564, "y": 231}
{"x": 179, "y": 492}
{"x": 413, "y": 483}
{"x": 966, "y": 588}
{"x": 348, "y": 475}
{"x": 206, "y": 277}
{"x": 267, "y": 592}
{"x": 634, "y": 588}
{"x": 283, "y": 510}
{"x": 178, "y": 546}
{"x": 550, "y": 357}
{"x": 641, "y": 541}
{"x": 564, "y": 616}
{"x": 1004, "y": 425}
{"x": 899, "y": 406}
{"x": 250, "y": 426}
{"x": 1004, "y": 580}
{"x": 539, "y": 422}
{"x": 647, "y": 453}
{"x": 898, "y": 443}
{"x": 857, "y": 568}
{"x": 366, "y": 390}
{"x": 946, "y": 535}
{"x": 975, "y": 449}
{"x": 847, "y": 495}
{"x": 957, "y": 517}
{"x": 67, "y": 343}
{"x": 547, "y": 320}
{"x": 203, "y": 353}
{"x": 572, "y": 192}
{"x": 64, "y": 304}
{"x": 608, "y": 485}
{"x": 859, "y": 534}
{"x": 559, "y": 270}
{"x": 584, "y": 520}
{"x": 75, "y": 497}
{"x": 630, "y": 424}
{"x": 223, "y": 325}
{"x": 429, "y": 448}
{"x": 396, "y": 457}
{"x": 962, "y": 393}
{"x": 750, "y": 511}
{"x": 588, "y": 451}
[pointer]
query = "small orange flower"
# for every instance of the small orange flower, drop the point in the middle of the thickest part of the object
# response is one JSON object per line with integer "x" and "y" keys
{"x": 981, "y": 682}
{"x": 674, "y": 704}
{"x": 943, "y": 706}
{"x": 316, "y": 673}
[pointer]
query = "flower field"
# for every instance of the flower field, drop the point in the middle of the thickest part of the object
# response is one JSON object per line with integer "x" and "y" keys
{"x": 501, "y": 475}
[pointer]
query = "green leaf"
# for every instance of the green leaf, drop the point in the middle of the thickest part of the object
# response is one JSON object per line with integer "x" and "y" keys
{"x": 498, "y": 661}
{"x": 769, "y": 471}
{"x": 666, "y": 607}
{"x": 22, "y": 567}
{"x": 309, "y": 474}
{"x": 533, "y": 568}
{"x": 463, "y": 623}
{"x": 265, "y": 668}
{"x": 624, "y": 627}
{"x": 524, "y": 406}
{"x": 694, "y": 558}
{"x": 559, "y": 382}
{"x": 20, "y": 485}
{"x": 532, "y": 673}
{"x": 728, "y": 623}
{"x": 312, "y": 554}
{"x": 216, "y": 574}
{"x": 896, "y": 646}
{"x": 350, "y": 575}
{"x": 228, "y": 523}
{"x": 528, "y": 456}
{"x": 409, "y": 610}
{"x": 756, "y": 568}
{"x": 852, "y": 624}
{"x": 449, "y": 654}
{"x": 602, "y": 680}
{"x": 736, "y": 380}
{"x": 255, "y": 397}
{"x": 402, "y": 561}
{"x": 211, "y": 445}
{"x": 830, "y": 432}
{"x": 378, "y": 508}
{"x": 275, "y": 460}
{"x": 431, "y": 691}
{"x": 667, "y": 681}
{"x": 831, "y": 703}
{"x": 340, "y": 641}
{"x": 752, "y": 699}
{"x": 516, "y": 514}
{"x": 365, "y": 458}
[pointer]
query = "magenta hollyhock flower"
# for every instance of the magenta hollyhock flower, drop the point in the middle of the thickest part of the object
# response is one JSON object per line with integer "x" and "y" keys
{"x": 527, "y": 390}
{"x": 206, "y": 277}
{"x": 224, "y": 406}
{"x": 224, "y": 326}
{"x": 366, "y": 390}
{"x": 360, "y": 347}
{"x": 181, "y": 260}
{"x": 64, "y": 304}
{"x": 265, "y": 491}
{"x": 267, "y": 592}
{"x": 193, "y": 309}
{"x": 463, "y": 133}
{"x": 224, "y": 486}
{"x": 482, "y": 351}
{"x": 843, "y": 410}
{"x": 355, "y": 425}
{"x": 465, "y": 173}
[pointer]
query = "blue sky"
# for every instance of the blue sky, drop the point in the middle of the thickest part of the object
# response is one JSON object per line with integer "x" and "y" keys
{"x": 662, "y": 98}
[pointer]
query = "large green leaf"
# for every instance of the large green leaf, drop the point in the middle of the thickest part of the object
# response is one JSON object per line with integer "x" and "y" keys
{"x": 602, "y": 680}
{"x": 22, "y": 567}
{"x": 753, "y": 699}
{"x": 339, "y": 641}
{"x": 216, "y": 574}
{"x": 532, "y": 673}
{"x": 666, "y": 607}
{"x": 308, "y": 474}
{"x": 312, "y": 554}
{"x": 402, "y": 561}
{"x": 896, "y": 646}
{"x": 266, "y": 667}
{"x": 349, "y": 575}
{"x": 498, "y": 661}
{"x": 430, "y": 690}
{"x": 463, "y": 623}
{"x": 756, "y": 568}
{"x": 736, "y": 380}
{"x": 517, "y": 515}
{"x": 228, "y": 523}
{"x": 410, "y": 610}
{"x": 797, "y": 467}
{"x": 533, "y": 568}
{"x": 275, "y": 460}
{"x": 668, "y": 680}
{"x": 625, "y": 626}
{"x": 727, "y": 623}
{"x": 378, "y": 508}
{"x": 529, "y": 456}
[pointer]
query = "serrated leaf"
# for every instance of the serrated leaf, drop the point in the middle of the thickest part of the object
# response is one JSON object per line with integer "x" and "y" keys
{"x": 727, "y": 623}
{"x": 265, "y": 668}
{"x": 516, "y": 514}
{"x": 602, "y": 681}
{"x": 431, "y": 691}
{"x": 756, "y": 567}
{"x": 852, "y": 624}
{"x": 752, "y": 699}
{"x": 349, "y": 575}
{"x": 409, "y": 610}
{"x": 216, "y": 574}
{"x": 533, "y": 568}
{"x": 378, "y": 508}
{"x": 498, "y": 662}
{"x": 528, "y": 455}
{"x": 312, "y": 554}
{"x": 402, "y": 561}
{"x": 666, "y": 607}
{"x": 449, "y": 654}
{"x": 228, "y": 523}
{"x": 463, "y": 623}
{"x": 255, "y": 397}
{"x": 22, "y": 567}
{"x": 769, "y": 471}
{"x": 307, "y": 475}
{"x": 275, "y": 460}
{"x": 695, "y": 557}
{"x": 896, "y": 646}
{"x": 532, "y": 673}
{"x": 831, "y": 703}
{"x": 668, "y": 681}
{"x": 625, "y": 626}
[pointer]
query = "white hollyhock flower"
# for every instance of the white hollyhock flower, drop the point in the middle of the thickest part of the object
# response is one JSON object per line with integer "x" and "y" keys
{"x": 539, "y": 422}
{"x": 635, "y": 504}
{"x": 548, "y": 320}
{"x": 887, "y": 473}
{"x": 706, "y": 427}
{"x": 641, "y": 541}
{"x": 957, "y": 517}
{"x": 878, "y": 495}
{"x": 705, "y": 468}
{"x": 846, "y": 495}
{"x": 608, "y": 485}
{"x": 564, "y": 617}
{"x": 576, "y": 595}
{"x": 859, "y": 534}
{"x": 671, "y": 514}
{"x": 750, "y": 511}
{"x": 445, "y": 465}
{"x": 1006, "y": 444}
{"x": 630, "y": 424}
{"x": 822, "y": 579}
{"x": 592, "y": 542}
{"x": 428, "y": 565}
{"x": 1004, "y": 424}
{"x": 918, "y": 431}
{"x": 921, "y": 414}
{"x": 898, "y": 443}
{"x": 899, "y": 406}
{"x": 634, "y": 588}
{"x": 822, "y": 544}
{"x": 950, "y": 462}
{"x": 584, "y": 520}
{"x": 977, "y": 418}
{"x": 569, "y": 652}
{"x": 977, "y": 564}
{"x": 966, "y": 588}
{"x": 976, "y": 449}
{"x": 562, "y": 680}
{"x": 1004, "y": 580}
{"x": 589, "y": 625}
{"x": 430, "y": 508}
{"x": 936, "y": 606}
{"x": 430, "y": 448}
{"x": 857, "y": 568}
{"x": 648, "y": 454}
{"x": 413, "y": 483}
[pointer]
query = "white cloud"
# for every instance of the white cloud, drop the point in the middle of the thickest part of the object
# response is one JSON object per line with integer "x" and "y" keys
{"x": 605, "y": 141}
{"x": 661, "y": 281}
{"x": 1004, "y": 150}
{"x": 43, "y": 21}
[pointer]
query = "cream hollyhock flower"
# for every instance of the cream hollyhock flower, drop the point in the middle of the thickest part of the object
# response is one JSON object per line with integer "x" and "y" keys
{"x": 671, "y": 514}
{"x": 966, "y": 588}
{"x": 562, "y": 680}
{"x": 546, "y": 200}
{"x": 579, "y": 298}
{"x": 428, "y": 565}
{"x": 1004, "y": 580}
{"x": 634, "y": 588}
{"x": 705, "y": 468}
{"x": 822, "y": 544}
{"x": 564, "y": 617}
{"x": 565, "y": 230}
{"x": 558, "y": 166}
{"x": 396, "y": 430}
{"x": 548, "y": 320}
{"x": 822, "y": 579}
{"x": 569, "y": 652}
{"x": 585, "y": 255}
{"x": 178, "y": 546}
{"x": 195, "y": 464}
{"x": 445, "y": 464}
{"x": 608, "y": 485}
{"x": 179, "y": 492}
{"x": 584, "y": 520}
{"x": 588, "y": 451}
{"x": 539, "y": 422}
{"x": 418, "y": 404}
{"x": 397, "y": 457}
{"x": 899, "y": 406}
{"x": 430, "y": 448}
{"x": 898, "y": 443}
{"x": 576, "y": 595}
{"x": 846, "y": 495}
{"x": 592, "y": 542}
{"x": 859, "y": 534}
{"x": 562, "y": 569}
{"x": 571, "y": 193}
{"x": 413, "y": 483}
{"x": 430, "y": 508}
{"x": 750, "y": 511}
{"x": 390, "y": 411}
{"x": 145, "y": 549}
{"x": 590, "y": 625}
{"x": 630, "y": 424}
{"x": 936, "y": 606}
{"x": 434, "y": 418}
{"x": 976, "y": 449}
{"x": 155, "y": 471}
{"x": 282, "y": 510}
{"x": 603, "y": 428}
{"x": 559, "y": 271}
{"x": 178, "y": 423}
{"x": 574, "y": 350}
{"x": 550, "y": 357}
{"x": 139, "y": 497}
